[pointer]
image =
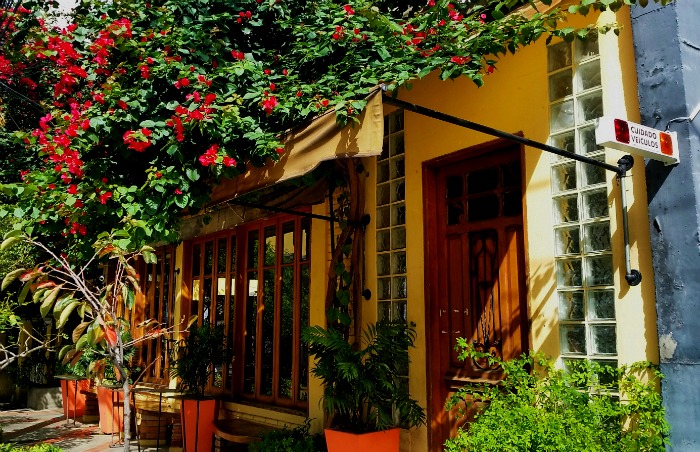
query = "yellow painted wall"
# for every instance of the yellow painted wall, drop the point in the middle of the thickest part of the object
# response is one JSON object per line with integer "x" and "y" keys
{"x": 515, "y": 99}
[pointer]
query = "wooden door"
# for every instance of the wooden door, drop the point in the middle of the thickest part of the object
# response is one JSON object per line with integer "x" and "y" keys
{"x": 476, "y": 277}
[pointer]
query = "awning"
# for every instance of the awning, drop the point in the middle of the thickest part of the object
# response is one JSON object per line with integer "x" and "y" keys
{"x": 306, "y": 147}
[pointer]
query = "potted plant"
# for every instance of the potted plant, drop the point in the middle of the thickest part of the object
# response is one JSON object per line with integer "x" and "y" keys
{"x": 197, "y": 355}
{"x": 75, "y": 385}
{"x": 110, "y": 397}
{"x": 364, "y": 396}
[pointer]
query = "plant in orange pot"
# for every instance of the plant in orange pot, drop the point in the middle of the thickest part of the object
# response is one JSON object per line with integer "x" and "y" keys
{"x": 197, "y": 355}
{"x": 365, "y": 397}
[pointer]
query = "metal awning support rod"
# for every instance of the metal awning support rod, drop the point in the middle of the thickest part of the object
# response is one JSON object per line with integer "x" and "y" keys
{"x": 496, "y": 133}
{"x": 632, "y": 276}
{"x": 363, "y": 222}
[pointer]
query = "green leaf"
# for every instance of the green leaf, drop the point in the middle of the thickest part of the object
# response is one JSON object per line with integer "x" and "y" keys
{"x": 66, "y": 313}
{"x": 13, "y": 233}
{"x": 383, "y": 53}
{"x": 65, "y": 349}
{"x": 82, "y": 343}
{"x": 7, "y": 243}
{"x": 46, "y": 305}
{"x": 192, "y": 174}
{"x": 10, "y": 277}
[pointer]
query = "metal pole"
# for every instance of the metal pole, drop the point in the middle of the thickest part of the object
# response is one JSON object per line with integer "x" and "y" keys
{"x": 632, "y": 276}
{"x": 495, "y": 132}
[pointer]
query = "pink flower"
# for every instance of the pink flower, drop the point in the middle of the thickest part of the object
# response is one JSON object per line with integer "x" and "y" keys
{"x": 229, "y": 161}
{"x": 269, "y": 104}
{"x": 178, "y": 191}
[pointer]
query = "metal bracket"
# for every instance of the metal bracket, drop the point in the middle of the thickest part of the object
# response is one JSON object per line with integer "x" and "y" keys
{"x": 632, "y": 276}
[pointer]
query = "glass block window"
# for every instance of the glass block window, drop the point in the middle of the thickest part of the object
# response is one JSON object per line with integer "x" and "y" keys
{"x": 584, "y": 268}
{"x": 391, "y": 222}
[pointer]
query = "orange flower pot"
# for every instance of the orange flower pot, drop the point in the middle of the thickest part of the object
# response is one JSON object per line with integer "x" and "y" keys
{"x": 384, "y": 441}
{"x": 74, "y": 404}
{"x": 111, "y": 403}
{"x": 197, "y": 419}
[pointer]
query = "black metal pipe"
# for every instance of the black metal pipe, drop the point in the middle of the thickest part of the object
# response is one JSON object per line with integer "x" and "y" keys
{"x": 497, "y": 133}
{"x": 287, "y": 211}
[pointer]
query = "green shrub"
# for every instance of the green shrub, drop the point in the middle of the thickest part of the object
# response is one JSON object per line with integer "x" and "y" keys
{"x": 36, "y": 448}
{"x": 587, "y": 407}
{"x": 291, "y": 440}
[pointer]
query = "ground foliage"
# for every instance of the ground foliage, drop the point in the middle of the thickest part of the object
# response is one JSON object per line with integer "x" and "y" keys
{"x": 362, "y": 387}
{"x": 147, "y": 103}
{"x": 538, "y": 407}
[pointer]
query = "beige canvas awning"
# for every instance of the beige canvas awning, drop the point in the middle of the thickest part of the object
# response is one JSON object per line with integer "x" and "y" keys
{"x": 306, "y": 147}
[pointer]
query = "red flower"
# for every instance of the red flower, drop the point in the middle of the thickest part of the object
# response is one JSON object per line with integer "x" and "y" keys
{"x": 158, "y": 174}
{"x": 178, "y": 191}
{"x": 229, "y": 161}
{"x": 299, "y": 93}
{"x": 182, "y": 83}
{"x": 267, "y": 71}
{"x": 348, "y": 10}
{"x": 324, "y": 102}
{"x": 238, "y": 55}
{"x": 73, "y": 189}
{"x": 490, "y": 69}
{"x": 460, "y": 60}
{"x": 280, "y": 151}
{"x": 272, "y": 86}
{"x": 105, "y": 196}
{"x": 104, "y": 180}
{"x": 121, "y": 104}
{"x": 78, "y": 204}
{"x": 209, "y": 98}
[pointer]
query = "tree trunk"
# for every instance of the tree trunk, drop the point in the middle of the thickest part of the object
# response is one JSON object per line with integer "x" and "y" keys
{"x": 127, "y": 414}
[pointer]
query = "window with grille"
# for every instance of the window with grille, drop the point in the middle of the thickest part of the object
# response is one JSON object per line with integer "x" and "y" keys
{"x": 391, "y": 222}
{"x": 584, "y": 268}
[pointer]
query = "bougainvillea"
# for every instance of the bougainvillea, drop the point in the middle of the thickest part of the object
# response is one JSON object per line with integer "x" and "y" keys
{"x": 147, "y": 103}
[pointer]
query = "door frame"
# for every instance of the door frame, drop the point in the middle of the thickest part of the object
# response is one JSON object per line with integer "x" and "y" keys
{"x": 434, "y": 253}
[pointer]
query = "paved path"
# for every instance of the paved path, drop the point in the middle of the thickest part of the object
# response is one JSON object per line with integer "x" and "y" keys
{"x": 28, "y": 427}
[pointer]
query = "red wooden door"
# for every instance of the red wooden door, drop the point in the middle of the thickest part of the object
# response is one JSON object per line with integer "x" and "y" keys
{"x": 476, "y": 282}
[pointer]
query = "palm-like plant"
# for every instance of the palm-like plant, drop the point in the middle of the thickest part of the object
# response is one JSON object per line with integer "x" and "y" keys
{"x": 363, "y": 388}
{"x": 198, "y": 355}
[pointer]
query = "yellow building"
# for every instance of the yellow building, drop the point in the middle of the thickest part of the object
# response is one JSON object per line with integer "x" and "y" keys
{"x": 470, "y": 236}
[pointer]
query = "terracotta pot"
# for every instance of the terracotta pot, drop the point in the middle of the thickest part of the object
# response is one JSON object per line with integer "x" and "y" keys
{"x": 197, "y": 419}
{"x": 111, "y": 403}
{"x": 384, "y": 441}
{"x": 74, "y": 404}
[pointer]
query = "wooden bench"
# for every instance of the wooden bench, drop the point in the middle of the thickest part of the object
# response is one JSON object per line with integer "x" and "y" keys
{"x": 238, "y": 432}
